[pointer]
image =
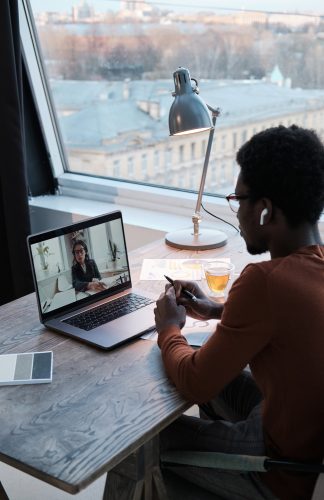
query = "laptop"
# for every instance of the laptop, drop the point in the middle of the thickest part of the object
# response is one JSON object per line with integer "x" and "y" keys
{"x": 83, "y": 283}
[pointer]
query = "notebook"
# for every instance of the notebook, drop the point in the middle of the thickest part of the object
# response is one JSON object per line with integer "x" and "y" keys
{"x": 83, "y": 283}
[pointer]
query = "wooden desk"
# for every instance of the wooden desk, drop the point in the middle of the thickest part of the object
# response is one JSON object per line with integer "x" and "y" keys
{"x": 101, "y": 407}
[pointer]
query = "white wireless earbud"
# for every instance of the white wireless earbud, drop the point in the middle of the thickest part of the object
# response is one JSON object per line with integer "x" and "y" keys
{"x": 263, "y": 215}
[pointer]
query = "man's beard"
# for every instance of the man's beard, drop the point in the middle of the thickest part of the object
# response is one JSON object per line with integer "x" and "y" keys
{"x": 256, "y": 250}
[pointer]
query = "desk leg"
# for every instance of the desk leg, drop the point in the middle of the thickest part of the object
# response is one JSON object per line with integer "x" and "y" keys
{"x": 138, "y": 477}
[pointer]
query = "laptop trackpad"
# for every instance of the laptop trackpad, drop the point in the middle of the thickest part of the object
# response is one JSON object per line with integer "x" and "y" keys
{"x": 126, "y": 327}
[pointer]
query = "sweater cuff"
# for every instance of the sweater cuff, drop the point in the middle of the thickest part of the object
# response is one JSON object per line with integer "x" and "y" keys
{"x": 165, "y": 335}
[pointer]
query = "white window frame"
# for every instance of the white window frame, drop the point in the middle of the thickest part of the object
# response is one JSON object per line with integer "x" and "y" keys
{"x": 43, "y": 102}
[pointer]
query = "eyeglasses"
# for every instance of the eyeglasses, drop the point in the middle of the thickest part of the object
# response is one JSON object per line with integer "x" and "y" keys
{"x": 234, "y": 200}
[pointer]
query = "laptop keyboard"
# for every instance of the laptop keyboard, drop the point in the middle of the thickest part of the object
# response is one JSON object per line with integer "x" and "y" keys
{"x": 108, "y": 312}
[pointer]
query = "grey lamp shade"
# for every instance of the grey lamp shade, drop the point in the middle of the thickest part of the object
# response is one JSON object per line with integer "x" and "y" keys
{"x": 188, "y": 113}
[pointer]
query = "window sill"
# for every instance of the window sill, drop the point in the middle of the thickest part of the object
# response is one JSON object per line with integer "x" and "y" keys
{"x": 159, "y": 200}
{"x": 155, "y": 211}
{"x": 148, "y": 212}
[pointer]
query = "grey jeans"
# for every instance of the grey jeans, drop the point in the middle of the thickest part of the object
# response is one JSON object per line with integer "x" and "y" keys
{"x": 230, "y": 424}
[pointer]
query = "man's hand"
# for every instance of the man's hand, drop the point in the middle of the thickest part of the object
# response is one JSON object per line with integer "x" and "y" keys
{"x": 168, "y": 312}
{"x": 203, "y": 308}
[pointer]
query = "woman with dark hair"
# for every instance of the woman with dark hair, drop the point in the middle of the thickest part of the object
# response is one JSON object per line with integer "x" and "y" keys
{"x": 85, "y": 273}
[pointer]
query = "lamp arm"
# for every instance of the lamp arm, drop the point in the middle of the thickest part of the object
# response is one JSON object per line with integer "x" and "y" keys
{"x": 205, "y": 168}
{"x": 215, "y": 111}
{"x": 196, "y": 218}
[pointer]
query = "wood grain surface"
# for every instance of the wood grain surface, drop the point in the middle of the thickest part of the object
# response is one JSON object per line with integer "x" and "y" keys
{"x": 101, "y": 406}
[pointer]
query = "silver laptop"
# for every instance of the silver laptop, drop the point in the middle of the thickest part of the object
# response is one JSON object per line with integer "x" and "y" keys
{"x": 83, "y": 283}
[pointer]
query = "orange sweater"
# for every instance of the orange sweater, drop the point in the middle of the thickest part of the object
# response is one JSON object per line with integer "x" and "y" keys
{"x": 274, "y": 320}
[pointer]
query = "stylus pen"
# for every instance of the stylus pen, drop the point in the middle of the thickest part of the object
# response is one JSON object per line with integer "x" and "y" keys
{"x": 184, "y": 291}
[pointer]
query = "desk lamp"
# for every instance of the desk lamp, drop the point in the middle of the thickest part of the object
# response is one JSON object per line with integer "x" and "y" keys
{"x": 189, "y": 114}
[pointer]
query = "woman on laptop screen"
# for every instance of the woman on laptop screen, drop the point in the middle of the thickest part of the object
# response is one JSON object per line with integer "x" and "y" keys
{"x": 85, "y": 273}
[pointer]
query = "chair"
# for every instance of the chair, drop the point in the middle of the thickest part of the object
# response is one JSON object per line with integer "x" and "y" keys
{"x": 244, "y": 463}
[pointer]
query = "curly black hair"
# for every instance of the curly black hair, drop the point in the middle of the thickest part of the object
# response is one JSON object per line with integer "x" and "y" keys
{"x": 286, "y": 165}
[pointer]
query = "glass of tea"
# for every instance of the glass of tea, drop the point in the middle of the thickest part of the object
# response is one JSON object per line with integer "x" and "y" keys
{"x": 218, "y": 274}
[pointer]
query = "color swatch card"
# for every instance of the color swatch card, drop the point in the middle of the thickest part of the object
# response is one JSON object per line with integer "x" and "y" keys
{"x": 26, "y": 368}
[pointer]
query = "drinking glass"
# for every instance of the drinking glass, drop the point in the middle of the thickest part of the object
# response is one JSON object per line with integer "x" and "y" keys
{"x": 217, "y": 274}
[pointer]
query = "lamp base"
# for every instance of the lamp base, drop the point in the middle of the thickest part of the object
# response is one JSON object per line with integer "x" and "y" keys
{"x": 206, "y": 239}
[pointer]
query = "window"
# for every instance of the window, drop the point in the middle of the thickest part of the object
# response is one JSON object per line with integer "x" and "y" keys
{"x": 130, "y": 167}
{"x": 156, "y": 161}
{"x": 181, "y": 153}
{"x": 222, "y": 174}
{"x": 203, "y": 148}
{"x": 193, "y": 150}
{"x": 168, "y": 157}
{"x": 235, "y": 172}
{"x": 144, "y": 165}
{"x": 243, "y": 136}
{"x": 107, "y": 73}
{"x": 116, "y": 168}
{"x": 192, "y": 180}
{"x": 234, "y": 140}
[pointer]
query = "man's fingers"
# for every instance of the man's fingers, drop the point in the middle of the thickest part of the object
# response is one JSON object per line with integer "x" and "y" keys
{"x": 170, "y": 291}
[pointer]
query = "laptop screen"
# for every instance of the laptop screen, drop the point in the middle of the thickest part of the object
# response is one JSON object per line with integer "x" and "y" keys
{"x": 79, "y": 263}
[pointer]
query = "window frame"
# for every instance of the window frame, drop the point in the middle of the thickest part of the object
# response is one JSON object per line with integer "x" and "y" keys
{"x": 84, "y": 186}
{"x": 39, "y": 85}
{"x": 165, "y": 200}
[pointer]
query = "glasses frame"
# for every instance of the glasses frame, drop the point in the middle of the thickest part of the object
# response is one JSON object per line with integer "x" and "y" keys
{"x": 236, "y": 197}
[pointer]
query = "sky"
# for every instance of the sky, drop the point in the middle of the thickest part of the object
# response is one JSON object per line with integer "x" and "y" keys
{"x": 187, "y": 5}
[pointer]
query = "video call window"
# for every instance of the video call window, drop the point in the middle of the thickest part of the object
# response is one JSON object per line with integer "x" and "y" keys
{"x": 77, "y": 265}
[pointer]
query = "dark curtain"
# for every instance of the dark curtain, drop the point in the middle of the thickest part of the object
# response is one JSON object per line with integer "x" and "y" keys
{"x": 16, "y": 279}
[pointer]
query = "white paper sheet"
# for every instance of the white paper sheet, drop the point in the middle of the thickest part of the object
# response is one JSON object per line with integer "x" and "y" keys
{"x": 196, "y": 332}
{"x": 180, "y": 269}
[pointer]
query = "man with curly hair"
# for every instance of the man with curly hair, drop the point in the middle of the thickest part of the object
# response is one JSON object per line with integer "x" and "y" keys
{"x": 272, "y": 321}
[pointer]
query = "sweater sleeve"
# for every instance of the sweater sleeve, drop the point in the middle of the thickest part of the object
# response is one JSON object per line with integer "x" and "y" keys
{"x": 244, "y": 330}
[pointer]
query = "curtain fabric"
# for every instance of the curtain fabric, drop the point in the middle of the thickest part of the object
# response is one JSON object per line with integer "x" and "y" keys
{"x": 16, "y": 279}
